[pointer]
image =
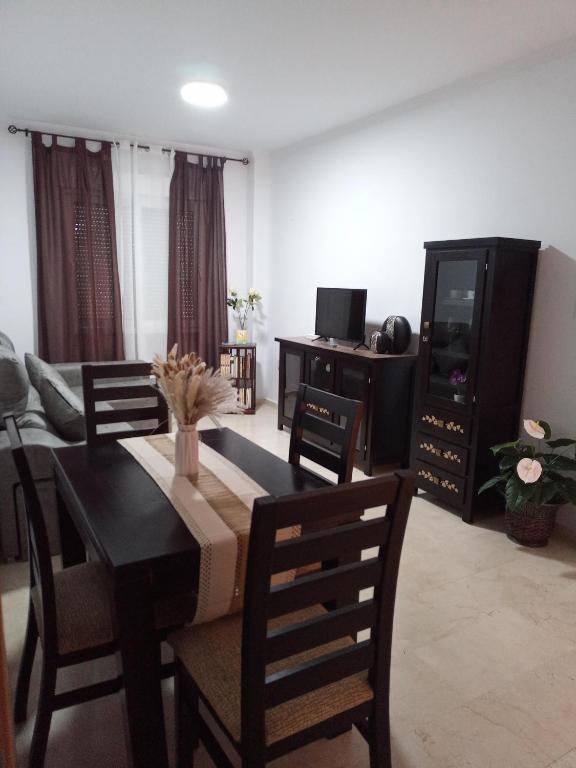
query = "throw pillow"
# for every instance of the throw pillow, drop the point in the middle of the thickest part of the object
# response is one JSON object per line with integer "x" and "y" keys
{"x": 14, "y": 383}
{"x": 6, "y": 341}
{"x": 63, "y": 408}
{"x": 38, "y": 370}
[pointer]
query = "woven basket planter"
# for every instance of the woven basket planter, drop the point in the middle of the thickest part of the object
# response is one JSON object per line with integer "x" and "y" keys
{"x": 531, "y": 526}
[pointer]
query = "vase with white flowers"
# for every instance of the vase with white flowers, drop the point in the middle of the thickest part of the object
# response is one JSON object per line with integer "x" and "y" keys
{"x": 192, "y": 391}
{"x": 536, "y": 478}
{"x": 241, "y": 307}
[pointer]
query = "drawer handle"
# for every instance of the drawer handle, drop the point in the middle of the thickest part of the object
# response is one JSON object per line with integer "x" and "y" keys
{"x": 446, "y": 484}
{"x": 448, "y": 455}
{"x": 451, "y": 426}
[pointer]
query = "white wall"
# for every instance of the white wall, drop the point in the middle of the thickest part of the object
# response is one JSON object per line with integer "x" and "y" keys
{"x": 17, "y": 241}
{"x": 353, "y": 209}
{"x": 18, "y": 246}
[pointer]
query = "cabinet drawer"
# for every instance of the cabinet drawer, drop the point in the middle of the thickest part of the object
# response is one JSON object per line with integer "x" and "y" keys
{"x": 451, "y": 426}
{"x": 448, "y": 456}
{"x": 442, "y": 484}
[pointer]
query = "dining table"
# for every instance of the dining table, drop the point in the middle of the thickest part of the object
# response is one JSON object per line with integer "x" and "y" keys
{"x": 112, "y": 509}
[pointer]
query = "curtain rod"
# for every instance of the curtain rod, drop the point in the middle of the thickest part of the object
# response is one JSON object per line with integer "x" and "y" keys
{"x": 12, "y": 129}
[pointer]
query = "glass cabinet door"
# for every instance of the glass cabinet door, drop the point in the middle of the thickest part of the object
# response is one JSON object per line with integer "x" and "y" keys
{"x": 293, "y": 376}
{"x": 354, "y": 383}
{"x": 320, "y": 372}
{"x": 451, "y": 331}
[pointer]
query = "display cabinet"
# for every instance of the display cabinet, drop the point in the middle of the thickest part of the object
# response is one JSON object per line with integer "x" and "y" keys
{"x": 383, "y": 383}
{"x": 474, "y": 332}
{"x": 238, "y": 362}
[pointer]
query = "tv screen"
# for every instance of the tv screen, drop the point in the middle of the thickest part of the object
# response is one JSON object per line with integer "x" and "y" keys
{"x": 341, "y": 313}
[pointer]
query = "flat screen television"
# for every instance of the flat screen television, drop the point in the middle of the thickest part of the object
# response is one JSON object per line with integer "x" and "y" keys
{"x": 341, "y": 313}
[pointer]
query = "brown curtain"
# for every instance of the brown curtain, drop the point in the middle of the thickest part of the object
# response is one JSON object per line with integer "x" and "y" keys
{"x": 79, "y": 311}
{"x": 197, "y": 314}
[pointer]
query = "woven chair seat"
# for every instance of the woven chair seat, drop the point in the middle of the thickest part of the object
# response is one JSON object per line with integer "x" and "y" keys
{"x": 85, "y": 608}
{"x": 212, "y": 655}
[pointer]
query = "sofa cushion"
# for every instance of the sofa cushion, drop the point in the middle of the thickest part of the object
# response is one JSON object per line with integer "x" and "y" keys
{"x": 63, "y": 408}
{"x": 5, "y": 341}
{"x": 38, "y": 370}
{"x": 14, "y": 383}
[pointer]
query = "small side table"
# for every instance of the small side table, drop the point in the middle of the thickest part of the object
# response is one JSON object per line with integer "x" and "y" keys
{"x": 238, "y": 361}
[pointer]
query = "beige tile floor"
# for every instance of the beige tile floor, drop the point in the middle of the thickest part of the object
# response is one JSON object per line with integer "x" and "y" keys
{"x": 484, "y": 655}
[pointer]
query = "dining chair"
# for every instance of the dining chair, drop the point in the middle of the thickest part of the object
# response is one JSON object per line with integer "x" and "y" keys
{"x": 287, "y": 671}
{"x": 121, "y": 394}
{"x": 331, "y": 420}
{"x": 72, "y": 613}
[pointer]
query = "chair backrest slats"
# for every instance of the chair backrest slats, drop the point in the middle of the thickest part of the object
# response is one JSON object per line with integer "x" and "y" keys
{"x": 121, "y": 369}
{"x": 306, "y": 677}
{"x": 301, "y": 508}
{"x": 133, "y": 398}
{"x": 114, "y": 391}
{"x": 118, "y": 415}
{"x": 322, "y": 586}
{"x": 317, "y": 546}
{"x": 319, "y": 455}
{"x": 327, "y": 429}
{"x": 303, "y": 626}
{"x": 329, "y": 626}
{"x": 334, "y": 421}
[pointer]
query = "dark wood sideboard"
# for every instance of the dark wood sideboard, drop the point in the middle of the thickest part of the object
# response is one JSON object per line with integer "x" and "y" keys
{"x": 475, "y": 322}
{"x": 383, "y": 383}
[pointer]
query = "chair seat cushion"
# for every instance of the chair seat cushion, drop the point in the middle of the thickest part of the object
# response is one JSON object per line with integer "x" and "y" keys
{"x": 84, "y": 607}
{"x": 212, "y": 655}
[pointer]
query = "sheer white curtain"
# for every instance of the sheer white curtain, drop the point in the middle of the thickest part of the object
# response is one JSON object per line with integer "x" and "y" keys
{"x": 141, "y": 192}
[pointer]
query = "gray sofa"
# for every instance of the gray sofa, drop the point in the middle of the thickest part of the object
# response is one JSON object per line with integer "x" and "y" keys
{"x": 41, "y": 435}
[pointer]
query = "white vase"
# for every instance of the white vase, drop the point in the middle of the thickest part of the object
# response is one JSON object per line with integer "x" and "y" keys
{"x": 186, "y": 453}
{"x": 241, "y": 336}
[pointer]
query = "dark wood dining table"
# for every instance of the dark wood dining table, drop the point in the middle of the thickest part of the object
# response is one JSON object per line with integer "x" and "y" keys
{"x": 109, "y": 506}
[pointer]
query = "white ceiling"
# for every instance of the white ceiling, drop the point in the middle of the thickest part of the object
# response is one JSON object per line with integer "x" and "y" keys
{"x": 292, "y": 68}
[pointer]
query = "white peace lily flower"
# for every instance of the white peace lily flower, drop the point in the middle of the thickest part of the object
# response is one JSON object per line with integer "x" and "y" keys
{"x": 534, "y": 429}
{"x": 529, "y": 470}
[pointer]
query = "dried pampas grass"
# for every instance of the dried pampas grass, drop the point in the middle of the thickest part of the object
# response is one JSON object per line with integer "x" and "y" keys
{"x": 193, "y": 391}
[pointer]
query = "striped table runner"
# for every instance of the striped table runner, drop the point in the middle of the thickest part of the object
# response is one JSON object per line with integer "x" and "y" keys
{"x": 216, "y": 506}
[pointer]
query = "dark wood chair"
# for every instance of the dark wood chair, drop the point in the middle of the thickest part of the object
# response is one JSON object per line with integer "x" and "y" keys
{"x": 130, "y": 396}
{"x": 288, "y": 672}
{"x": 72, "y": 613}
{"x": 334, "y": 420}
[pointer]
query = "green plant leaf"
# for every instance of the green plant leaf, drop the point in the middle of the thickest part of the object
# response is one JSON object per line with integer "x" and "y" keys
{"x": 549, "y": 490}
{"x": 563, "y": 463}
{"x": 561, "y": 442}
{"x": 547, "y": 430}
{"x": 504, "y": 447}
{"x": 508, "y": 462}
{"x": 491, "y": 483}
{"x": 566, "y": 487}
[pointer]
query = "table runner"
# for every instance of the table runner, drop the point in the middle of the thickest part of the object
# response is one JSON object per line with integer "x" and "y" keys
{"x": 217, "y": 509}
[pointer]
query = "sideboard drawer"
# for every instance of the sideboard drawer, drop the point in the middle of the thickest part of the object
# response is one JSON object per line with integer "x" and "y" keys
{"x": 442, "y": 484}
{"x": 451, "y": 426}
{"x": 434, "y": 451}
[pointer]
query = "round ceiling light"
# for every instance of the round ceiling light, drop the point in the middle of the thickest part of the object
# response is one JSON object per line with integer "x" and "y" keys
{"x": 205, "y": 95}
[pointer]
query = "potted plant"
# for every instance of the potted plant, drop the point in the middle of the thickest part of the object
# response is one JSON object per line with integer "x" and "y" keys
{"x": 458, "y": 380}
{"x": 535, "y": 480}
{"x": 241, "y": 307}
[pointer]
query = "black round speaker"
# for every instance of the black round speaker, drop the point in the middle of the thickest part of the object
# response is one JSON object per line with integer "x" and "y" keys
{"x": 398, "y": 330}
{"x": 380, "y": 342}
